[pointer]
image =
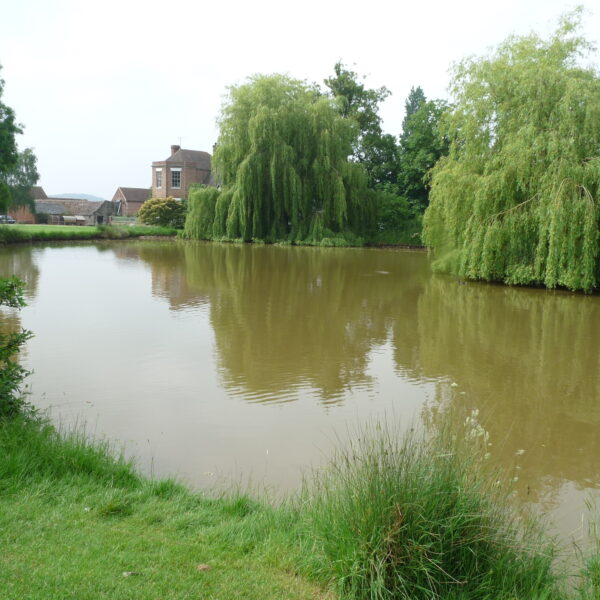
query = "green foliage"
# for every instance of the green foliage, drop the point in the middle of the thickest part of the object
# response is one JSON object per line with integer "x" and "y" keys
{"x": 5, "y": 197}
{"x": 8, "y": 130}
{"x": 13, "y": 165}
{"x": 201, "y": 214}
{"x": 417, "y": 519}
{"x": 517, "y": 198}
{"x": 397, "y": 221}
{"x": 22, "y": 178}
{"x": 421, "y": 146}
{"x": 164, "y": 212}
{"x": 12, "y": 374}
{"x": 282, "y": 159}
{"x": 376, "y": 151}
{"x": 590, "y": 576}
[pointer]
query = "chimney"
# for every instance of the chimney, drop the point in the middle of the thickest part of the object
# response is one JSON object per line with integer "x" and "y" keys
{"x": 174, "y": 149}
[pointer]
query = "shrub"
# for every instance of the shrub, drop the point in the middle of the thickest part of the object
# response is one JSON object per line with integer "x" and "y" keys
{"x": 11, "y": 373}
{"x": 397, "y": 222}
{"x": 165, "y": 212}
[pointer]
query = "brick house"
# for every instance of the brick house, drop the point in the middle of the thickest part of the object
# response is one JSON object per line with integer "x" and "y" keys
{"x": 174, "y": 175}
{"x": 128, "y": 201}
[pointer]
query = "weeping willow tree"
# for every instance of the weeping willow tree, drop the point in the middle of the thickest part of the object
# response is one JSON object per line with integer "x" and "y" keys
{"x": 517, "y": 198}
{"x": 282, "y": 161}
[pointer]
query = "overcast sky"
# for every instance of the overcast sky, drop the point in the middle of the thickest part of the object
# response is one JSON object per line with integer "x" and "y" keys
{"x": 104, "y": 88}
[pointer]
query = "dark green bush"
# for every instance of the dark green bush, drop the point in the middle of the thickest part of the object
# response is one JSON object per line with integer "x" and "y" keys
{"x": 397, "y": 222}
{"x": 165, "y": 212}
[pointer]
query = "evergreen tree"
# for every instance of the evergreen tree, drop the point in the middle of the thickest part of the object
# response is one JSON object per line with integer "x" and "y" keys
{"x": 282, "y": 160}
{"x": 421, "y": 146}
{"x": 517, "y": 198}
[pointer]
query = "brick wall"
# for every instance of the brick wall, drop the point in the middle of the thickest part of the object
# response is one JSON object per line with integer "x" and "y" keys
{"x": 190, "y": 174}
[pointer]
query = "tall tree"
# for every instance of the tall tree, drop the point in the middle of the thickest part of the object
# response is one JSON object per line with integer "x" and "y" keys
{"x": 282, "y": 159}
{"x": 421, "y": 146}
{"x": 375, "y": 150}
{"x": 517, "y": 199}
{"x": 8, "y": 147}
{"x": 22, "y": 177}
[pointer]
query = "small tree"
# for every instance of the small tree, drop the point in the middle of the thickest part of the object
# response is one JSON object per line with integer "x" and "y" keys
{"x": 12, "y": 374}
{"x": 164, "y": 212}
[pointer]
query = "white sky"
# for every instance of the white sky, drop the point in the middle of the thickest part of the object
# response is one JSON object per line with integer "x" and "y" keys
{"x": 104, "y": 88}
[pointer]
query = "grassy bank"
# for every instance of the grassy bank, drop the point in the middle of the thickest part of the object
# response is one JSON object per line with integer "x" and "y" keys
{"x": 13, "y": 234}
{"x": 389, "y": 519}
{"x": 77, "y": 524}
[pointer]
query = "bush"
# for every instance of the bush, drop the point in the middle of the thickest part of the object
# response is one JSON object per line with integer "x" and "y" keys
{"x": 397, "y": 222}
{"x": 11, "y": 373}
{"x": 165, "y": 212}
{"x": 417, "y": 520}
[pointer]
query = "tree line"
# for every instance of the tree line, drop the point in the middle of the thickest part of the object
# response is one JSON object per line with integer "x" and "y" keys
{"x": 502, "y": 181}
{"x": 506, "y": 175}
{"x": 301, "y": 164}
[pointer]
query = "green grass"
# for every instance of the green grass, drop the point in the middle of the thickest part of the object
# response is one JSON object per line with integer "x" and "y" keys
{"x": 411, "y": 518}
{"x": 73, "y": 521}
{"x": 416, "y": 519}
{"x": 589, "y": 586}
{"x": 37, "y": 233}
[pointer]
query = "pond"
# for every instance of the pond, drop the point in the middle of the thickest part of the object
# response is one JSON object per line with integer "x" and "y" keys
{"x": 240, "y": 364}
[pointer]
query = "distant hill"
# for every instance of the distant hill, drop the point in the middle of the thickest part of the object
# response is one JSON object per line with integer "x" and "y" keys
{"x": 79, "y": 197}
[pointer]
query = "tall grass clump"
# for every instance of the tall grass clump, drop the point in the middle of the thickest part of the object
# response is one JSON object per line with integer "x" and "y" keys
{"x": 590, "y": 576}
{"x": 33, "y": 450}
{"x": 410, "y": 517}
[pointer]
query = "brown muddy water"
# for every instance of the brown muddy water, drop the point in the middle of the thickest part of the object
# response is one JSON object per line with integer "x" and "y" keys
{"x": 249, "y": 364}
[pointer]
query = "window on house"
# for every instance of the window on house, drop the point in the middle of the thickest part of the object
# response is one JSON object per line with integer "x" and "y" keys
{"x": 175, "y": 178}
{"x": 158, "y": 178}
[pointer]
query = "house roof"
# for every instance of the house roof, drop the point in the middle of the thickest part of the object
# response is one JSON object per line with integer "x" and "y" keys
{"x": 198, "y": 157}
{"x": 49, "y": 207}
{"x": 38, "y": 192}
{"x": 133, "y": 194}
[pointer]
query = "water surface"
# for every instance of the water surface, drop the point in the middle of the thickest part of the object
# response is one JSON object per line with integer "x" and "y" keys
{"x": 250, "y": 363}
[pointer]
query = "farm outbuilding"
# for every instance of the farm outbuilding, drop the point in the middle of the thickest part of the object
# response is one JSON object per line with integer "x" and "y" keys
{"x": 72, "y": 211}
